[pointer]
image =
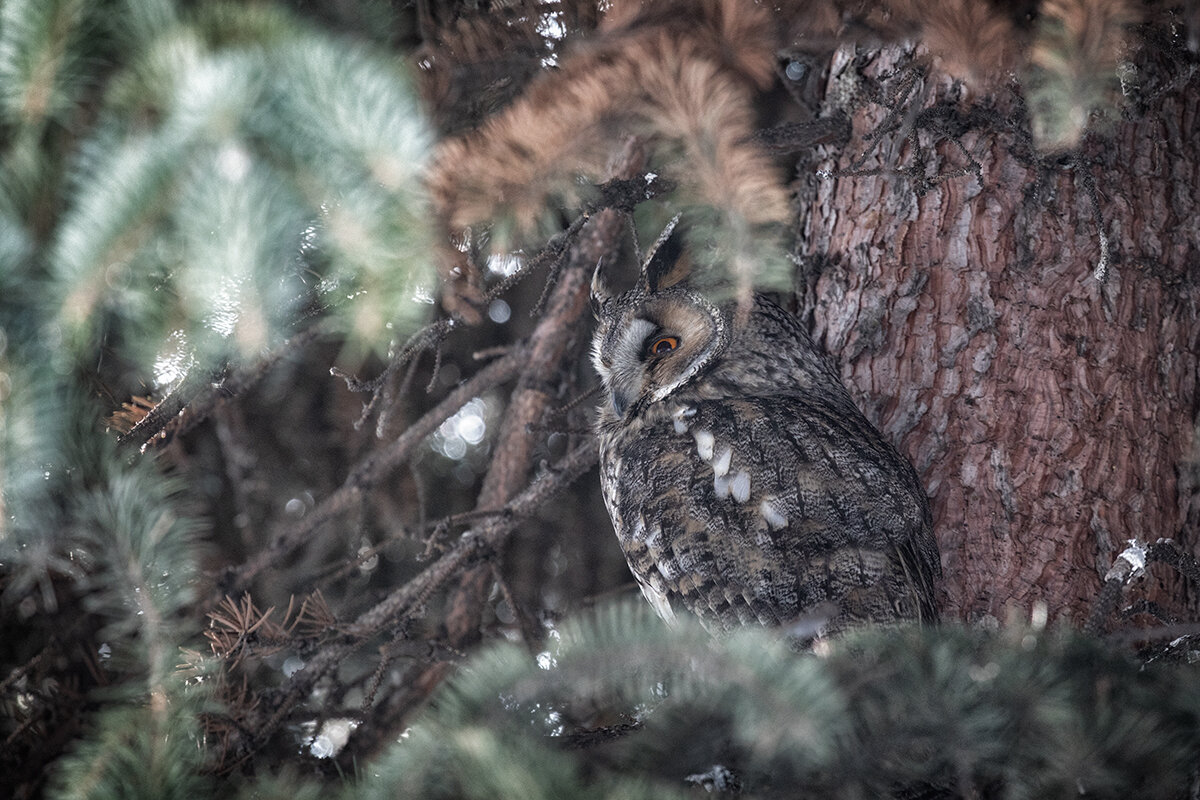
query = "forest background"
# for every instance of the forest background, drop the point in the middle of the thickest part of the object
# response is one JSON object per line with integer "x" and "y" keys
{"x": 298, "y": 480}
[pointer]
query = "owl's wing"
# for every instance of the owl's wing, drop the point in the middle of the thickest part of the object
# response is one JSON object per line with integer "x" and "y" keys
{"x": 767, "y": 508}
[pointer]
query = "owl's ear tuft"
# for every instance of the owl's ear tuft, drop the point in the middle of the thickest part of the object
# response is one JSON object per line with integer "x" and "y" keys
{"x": 666, "y": 263}
{"x": 601, "y": 294}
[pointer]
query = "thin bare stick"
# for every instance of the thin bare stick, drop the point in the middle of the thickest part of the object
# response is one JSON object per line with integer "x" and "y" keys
{"x": 199, "y": 392}
{"x": 372, "y": 469}
{"x": 486, "y": 538}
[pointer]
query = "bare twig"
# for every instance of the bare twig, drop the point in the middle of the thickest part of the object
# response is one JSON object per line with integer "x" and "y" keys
{"x": 797, "y": 136}
{"x": 194, "y": 398}
{"x": 487, "y": 538}
{"x": 389, "y": 408}
{"x": 431, "y": 336}
{"x": 1130, "y": 564}
{"x": 1088, "y": 181}
{"x": 1166, "y": 552}
{"x": 1170, "y": 631}
{"x": 372, "y": 469}
{"x": 190, "y": 387}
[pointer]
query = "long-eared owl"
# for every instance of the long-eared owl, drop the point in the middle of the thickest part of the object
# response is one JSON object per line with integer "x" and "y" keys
{"x": 743, "y": 482}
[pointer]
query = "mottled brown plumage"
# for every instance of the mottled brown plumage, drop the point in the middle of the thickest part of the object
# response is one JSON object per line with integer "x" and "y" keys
{"x": 742, "y": 481}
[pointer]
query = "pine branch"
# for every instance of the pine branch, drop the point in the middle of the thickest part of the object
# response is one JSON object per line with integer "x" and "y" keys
{"x": 1129, "y": 565}
{"x": 904, "y": 712}
{"x": 478, "y": 544}
{"x": 41, "y": 76}
{"x": 369, "y": 472}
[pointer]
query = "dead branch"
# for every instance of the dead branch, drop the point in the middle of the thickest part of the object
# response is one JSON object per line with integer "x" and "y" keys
{"x": 1129, "y": 565}
{"x": 370, "y": 471}
{"x": 199, "y": 392}
{"x": 475, "y": 544}
{"x": 530, "y": 401}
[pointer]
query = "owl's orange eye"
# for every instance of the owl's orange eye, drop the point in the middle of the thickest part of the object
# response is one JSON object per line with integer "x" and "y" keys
{"x": 663, "y": 344}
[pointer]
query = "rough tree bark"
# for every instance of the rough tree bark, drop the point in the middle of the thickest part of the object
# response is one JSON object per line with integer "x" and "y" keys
{"x": 1051, "y": 414}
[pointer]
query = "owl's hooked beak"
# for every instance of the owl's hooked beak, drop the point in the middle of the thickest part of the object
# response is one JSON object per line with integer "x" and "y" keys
{"x": 620, "y": 402}
{"x": 613, "y": 381}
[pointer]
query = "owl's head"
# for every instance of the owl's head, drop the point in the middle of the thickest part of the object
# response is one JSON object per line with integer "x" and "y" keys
{"x": 655, "y": 338}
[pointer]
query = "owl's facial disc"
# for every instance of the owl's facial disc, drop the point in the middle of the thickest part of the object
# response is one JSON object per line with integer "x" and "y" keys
{"x": 657, "y": 346}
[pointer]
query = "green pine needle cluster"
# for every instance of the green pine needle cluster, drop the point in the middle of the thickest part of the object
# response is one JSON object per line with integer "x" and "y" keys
{"x": 241, "y": 170}
{"x": 141, "y": 752}
{"x": 948, "y": 712}
{"x": 186, "y": 181}
{"x": 183, "y": 186}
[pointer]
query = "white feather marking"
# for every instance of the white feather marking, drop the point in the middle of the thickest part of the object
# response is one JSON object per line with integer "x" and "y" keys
{"x": 652, "y": 537}
{"x": 680, "y": 425}
{"x": 667, "y": 568}
{"x": 598, "y": 358}
{"x": 721, "y": 486}
{"x": 739, "y": 487}
{"x": 704, "y": 444}
{"x": 771, "y": 513}
{"x": 720, "y": 464}
{"x": 659, "y": 601}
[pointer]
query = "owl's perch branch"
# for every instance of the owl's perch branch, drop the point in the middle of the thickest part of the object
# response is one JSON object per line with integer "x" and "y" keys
{"x": 549, "y": 346}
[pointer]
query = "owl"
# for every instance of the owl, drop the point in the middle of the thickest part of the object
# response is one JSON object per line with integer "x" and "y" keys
{"x": 742, "y": 481}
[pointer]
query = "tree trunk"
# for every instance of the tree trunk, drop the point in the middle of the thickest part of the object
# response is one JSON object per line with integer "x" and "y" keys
{"x": 1051, "y": 415}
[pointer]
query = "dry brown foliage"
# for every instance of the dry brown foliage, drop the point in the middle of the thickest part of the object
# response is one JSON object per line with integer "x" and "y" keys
{"x": 680, "y": 76}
